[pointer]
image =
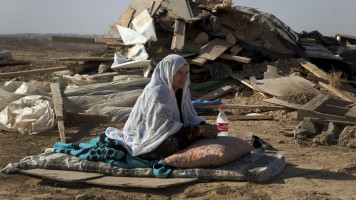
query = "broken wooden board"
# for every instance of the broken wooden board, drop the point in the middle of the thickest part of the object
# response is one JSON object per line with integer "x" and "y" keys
{"x": 58, "y": 108}
{"x": 283, "y": 103}
{"x": 343, "y": 95}
{"x": 235, "y": 58}
{"x": 326, "y": 108}
{"x": 241, "y": 117}
{"x": 62, "y": 175}
{"x": 247, "y": 83}
{"x": 103, "y": 75}
{"x": 313, "y": 68}
{"x": 127, "y": 16}
{"x": 35, "y": 71}
{"x": 217, "y": 93}
{"x": 85, "y": 58}
{"x": 214, "y": 49}
{"x": 179, "y": 35}
{"x": 242, "y": 107}
{"x": 178, "y": 9}
{"x": 140, "y": 182}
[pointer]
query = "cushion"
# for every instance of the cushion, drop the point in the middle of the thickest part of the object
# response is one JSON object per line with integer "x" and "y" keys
{"x": 210, "y": 152}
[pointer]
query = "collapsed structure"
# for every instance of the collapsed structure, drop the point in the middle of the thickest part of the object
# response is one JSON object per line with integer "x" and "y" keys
{"x": 306, "y": 72}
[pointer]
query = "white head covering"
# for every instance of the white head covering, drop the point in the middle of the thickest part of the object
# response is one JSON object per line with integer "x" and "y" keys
{"x": 155, "y": 115}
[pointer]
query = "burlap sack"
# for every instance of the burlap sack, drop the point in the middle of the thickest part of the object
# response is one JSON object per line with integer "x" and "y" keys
{"x": 210, "y": 153}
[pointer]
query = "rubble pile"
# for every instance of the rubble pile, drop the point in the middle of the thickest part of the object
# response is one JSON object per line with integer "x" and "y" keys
{"x": 227, "y": 46}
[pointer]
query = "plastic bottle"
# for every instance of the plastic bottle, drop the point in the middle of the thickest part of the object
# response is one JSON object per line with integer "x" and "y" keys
{"x": 222, "y": 123}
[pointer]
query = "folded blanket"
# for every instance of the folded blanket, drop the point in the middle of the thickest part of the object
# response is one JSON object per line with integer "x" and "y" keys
{"x": 111, "y": 151}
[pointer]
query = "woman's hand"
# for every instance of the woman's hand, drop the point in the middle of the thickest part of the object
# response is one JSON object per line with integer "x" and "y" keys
{"x": 209, "y": 131}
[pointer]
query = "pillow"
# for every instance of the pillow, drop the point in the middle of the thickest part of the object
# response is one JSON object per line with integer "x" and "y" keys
{"x": 209, "y": 152}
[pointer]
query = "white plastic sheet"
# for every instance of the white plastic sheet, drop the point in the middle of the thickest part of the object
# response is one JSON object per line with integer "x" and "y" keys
{"x": 131, "y": 37}
{"x": 29, "y": 115}
{"x": 25, "y": 107}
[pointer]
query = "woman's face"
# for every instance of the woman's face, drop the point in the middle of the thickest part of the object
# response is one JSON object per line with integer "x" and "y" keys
{"x": 180, "y": 77}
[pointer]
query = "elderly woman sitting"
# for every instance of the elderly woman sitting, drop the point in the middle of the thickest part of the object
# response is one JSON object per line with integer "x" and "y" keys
{"x": 163, "y": 120}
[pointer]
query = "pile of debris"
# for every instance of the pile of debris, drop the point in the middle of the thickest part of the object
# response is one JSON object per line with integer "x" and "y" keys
{"x": 225, "y": 46}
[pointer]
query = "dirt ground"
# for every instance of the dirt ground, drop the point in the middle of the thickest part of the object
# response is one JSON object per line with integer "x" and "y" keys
{"x": 312, "y": 172}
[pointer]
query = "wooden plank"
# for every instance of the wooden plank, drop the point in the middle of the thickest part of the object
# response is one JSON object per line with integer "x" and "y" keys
{"x": 241, "y": 117}
{"x": 214, "y": 49}
{"x": 179, "y": 35}
{"x": 109, "y": 42}
{"x": 199, "y": 61}
{"x": 58, "y": 108}
{"x": 62, "y": 175}
{"x": 321, "y": 121}
{"x": 102, "y": 75}
{"x": 85, "y": 58}
{"x": 217, "y": 93}
{"x": 332, "y": 110}
{"x": 242, "y": 80}
{"x": 100, "y": 53}
{"x": 79, "y": 118}
{"x": 315, "y": 103}
{"x": 243, "y": 107}
{"x": 140, "y": 182}
{"x": 283, "y": 103}
{"x": 235, "y": 58}
{"x": 339, "y": 93}
{"x": 31, "y": 72}
{"x": 178, "y": 9}
{"x": 301, "y": 114}
{"x": 313, "y": 69}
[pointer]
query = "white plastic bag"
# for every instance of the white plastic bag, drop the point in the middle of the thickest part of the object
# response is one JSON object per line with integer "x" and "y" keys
{"x": 28, "y": 115}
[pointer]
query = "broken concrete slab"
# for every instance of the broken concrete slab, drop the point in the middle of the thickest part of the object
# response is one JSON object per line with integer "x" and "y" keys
{"x": 329, "y": 135}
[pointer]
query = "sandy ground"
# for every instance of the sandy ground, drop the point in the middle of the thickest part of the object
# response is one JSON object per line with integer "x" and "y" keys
{"x": 312, "y": 172}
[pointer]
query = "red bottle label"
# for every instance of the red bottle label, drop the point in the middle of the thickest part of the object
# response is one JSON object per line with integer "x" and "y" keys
{"x": 223, "y": 127}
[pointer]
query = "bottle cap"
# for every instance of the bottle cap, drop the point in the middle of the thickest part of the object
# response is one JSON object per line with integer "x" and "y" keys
{"x": 221, "y": 108}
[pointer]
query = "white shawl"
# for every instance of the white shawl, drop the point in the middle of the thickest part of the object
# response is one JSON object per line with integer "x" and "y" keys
{"x": 155, "y": 115}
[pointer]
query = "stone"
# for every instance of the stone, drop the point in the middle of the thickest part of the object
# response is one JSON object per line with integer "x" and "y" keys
{"x": 305, "y": 129}
{"x": 347, "y": 137}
